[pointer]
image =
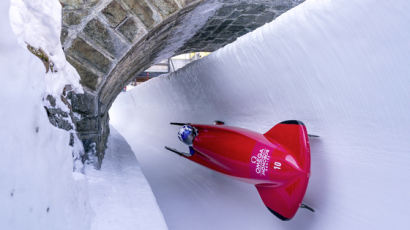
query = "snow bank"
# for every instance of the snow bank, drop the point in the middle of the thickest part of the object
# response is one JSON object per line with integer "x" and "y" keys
{"x": 122, "y": 197}
{"x": 37, "y": 186}
{"x": 38, "y": 23}
{"x": 339, "y": 66}
{"x": 38, "y": 189}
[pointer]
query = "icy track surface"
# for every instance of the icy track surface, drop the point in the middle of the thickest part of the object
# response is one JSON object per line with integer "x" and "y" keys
{"x": 341, "y": 67}
{"x": 119, "y": 193}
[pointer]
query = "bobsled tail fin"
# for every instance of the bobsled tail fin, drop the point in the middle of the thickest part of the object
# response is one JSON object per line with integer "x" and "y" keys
{"x": 292, "y": 134}
{"x": 284, "y": 201}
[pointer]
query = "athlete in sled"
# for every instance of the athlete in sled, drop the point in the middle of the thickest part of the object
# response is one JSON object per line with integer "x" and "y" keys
{"x": 277, "y": 162}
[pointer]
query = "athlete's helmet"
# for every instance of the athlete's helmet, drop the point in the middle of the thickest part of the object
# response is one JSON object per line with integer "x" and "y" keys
{"x": 187, "y": 134}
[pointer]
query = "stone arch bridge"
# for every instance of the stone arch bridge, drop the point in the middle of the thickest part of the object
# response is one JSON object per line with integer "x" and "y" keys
{"x": 110, "y": 41}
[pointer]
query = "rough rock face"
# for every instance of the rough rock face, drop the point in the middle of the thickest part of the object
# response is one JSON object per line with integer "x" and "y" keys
{"x": 110, "y": 41}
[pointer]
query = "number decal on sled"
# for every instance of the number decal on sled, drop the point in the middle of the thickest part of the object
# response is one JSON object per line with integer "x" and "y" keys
{"x": 277, "y": 165}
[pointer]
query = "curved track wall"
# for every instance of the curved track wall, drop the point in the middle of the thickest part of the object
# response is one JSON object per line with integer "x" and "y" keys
{"x": 338, "y": 66}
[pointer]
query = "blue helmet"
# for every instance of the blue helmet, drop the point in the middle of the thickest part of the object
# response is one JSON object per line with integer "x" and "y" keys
{"x": 187, "y": 134}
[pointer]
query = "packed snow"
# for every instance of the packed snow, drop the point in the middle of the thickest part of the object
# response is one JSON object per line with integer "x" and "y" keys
{"x": 121, "y": 195}
{"x": 339, "y": 66}
{"x": 38, "y": 189}
{"x": 38, "y": 23}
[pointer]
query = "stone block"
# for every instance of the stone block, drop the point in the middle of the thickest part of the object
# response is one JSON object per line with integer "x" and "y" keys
{"x": 165, "y": 7}
{"x": 59, "y": 118}
{"x": 235, "y": 14}
{"x": 104, "y": 130}
{"x": 265, "y": 18}
{"x": 97, "y": 32}
{"x": 209, "y": 29}
{"x": 75, "y": 4}
{"x": 254, "y": 9}
{"x": 214, "y": 22}
{"x": 141, "y": 9}
{"x": 114, "y": 13}
{"x": 242, "y": 32}
{"x": 88, "y": 78}
{"x": 244, "y": 19}
{"x": 231, "y": 39}
{"x": 282, "y": 6}
{"x": 235, "y": 28}
{"x": 242, "y": 6}
{"x": 223, "y": 26}
{"x": 226, "y": 34}
{"x": 225, "y": 10}
{"x": 219, "y": 41}
{"x": 87, "y": 125}
{"x": 202, "y": 35}
{"x": 72, "y": 3}
{"x": 210, "y": 38}
{"x": 87, "y": 53}
{"x": 90, "y": 143}
{"x": 94, "y": 148}
{"x": 84, "y": 104}
{"x": 103, "y": 107}
{"x": 73, "y": 17}
{"x": 131, "y": 30}
{"x": 253, "y": 26}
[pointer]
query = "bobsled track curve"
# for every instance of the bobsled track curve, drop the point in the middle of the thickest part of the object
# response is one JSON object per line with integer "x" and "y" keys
{"x": 339, "y": 66}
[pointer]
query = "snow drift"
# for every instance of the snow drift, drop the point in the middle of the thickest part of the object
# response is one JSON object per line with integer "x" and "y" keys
{"x": 339, "y": 66}
{"x": 121, "y": 196}
{"x": 38, "y": 189}
{"x": 37, "y": 185}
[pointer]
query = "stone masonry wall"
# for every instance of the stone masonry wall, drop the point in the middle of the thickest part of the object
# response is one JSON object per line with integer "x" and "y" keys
{"x": 110, "y": 41}
{"x": 234, "y": 19}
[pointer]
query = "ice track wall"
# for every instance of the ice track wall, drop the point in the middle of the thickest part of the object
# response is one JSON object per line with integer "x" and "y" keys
{"x": 342, "y": 67}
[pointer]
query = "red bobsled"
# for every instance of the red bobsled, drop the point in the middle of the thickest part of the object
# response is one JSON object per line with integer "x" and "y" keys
{"x": 277, "y": 162}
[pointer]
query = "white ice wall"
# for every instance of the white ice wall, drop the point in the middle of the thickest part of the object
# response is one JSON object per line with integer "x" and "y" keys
{"x": 37, "y": 185}
{"x": 342, "y": 67}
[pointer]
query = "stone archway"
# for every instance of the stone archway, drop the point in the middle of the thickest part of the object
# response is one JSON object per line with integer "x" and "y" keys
{"x": 110, "y": 41}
